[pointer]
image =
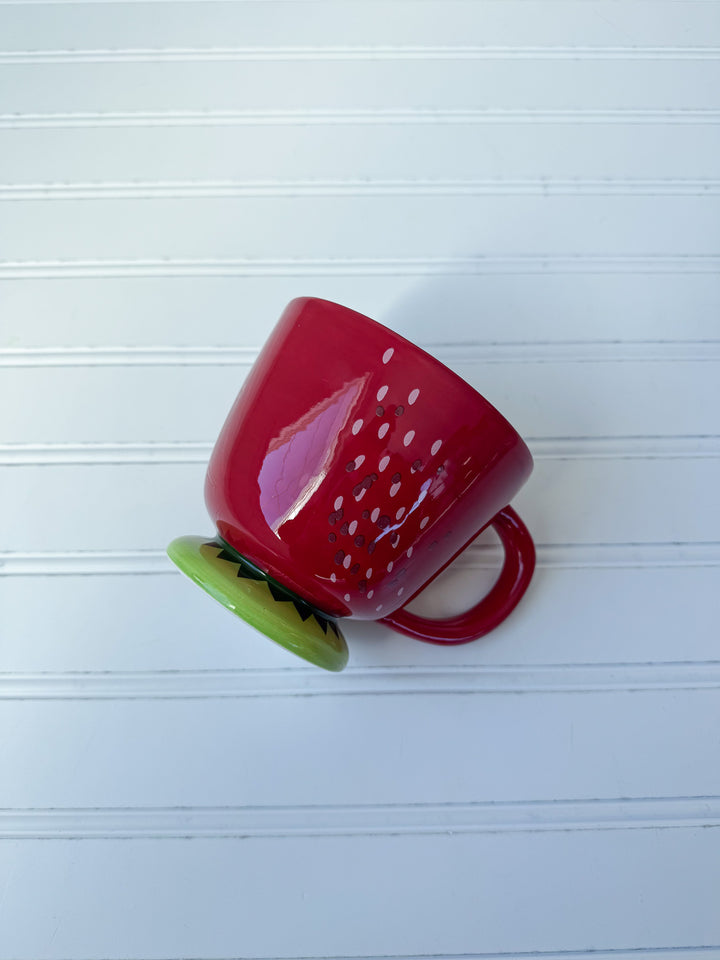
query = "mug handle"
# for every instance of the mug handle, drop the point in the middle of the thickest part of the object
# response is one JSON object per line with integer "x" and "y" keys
{"x": 504, "y": 596}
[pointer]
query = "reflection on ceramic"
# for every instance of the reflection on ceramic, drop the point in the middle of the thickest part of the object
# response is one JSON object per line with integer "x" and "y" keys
{"x": 352, "y": 469}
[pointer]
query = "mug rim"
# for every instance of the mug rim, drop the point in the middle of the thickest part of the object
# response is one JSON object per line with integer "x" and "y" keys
{"x": 299, "y": 303}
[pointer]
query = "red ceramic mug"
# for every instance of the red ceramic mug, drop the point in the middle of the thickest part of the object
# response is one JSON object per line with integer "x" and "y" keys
{"x": 351, "y": 470}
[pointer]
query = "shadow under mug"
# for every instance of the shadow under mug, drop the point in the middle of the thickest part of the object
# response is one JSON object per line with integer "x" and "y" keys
{"x": 351, "y": 470}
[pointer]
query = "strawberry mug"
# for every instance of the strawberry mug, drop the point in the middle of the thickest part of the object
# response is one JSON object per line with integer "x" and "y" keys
{"x": 351, "y": 470}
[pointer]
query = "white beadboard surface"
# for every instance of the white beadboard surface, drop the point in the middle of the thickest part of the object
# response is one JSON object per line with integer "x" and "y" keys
{"x": 530, "y": 189}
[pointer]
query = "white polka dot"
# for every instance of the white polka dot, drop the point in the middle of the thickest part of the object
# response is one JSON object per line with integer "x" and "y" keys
{"x": 347, "y": 596}
{"x": 357, "y": 427}
{"x": 388, "y": 355}
{"x": 424, "y": 522}
{"x": 414, "y": 394}
{"x": 435, "y": 447}
{"x": 381, "y": 393}
{"x": 410, "y": 551}
{"x": 360, "y": 460}
{"x": 394, "y": 489}
{"x": 347, "y": 561}
{"x": 370, "y": 594}
{"x": 352, "y": 528}
{"x": 338, "y": 503}
{"x": 383, "y": 463}
{"x": 375, "y": 514}
{"x": 379, "y": 607}
{"x": 425, "y": 486}
{"x": 359, "y": 497}
{"x": 398, "y": 515}
{"x": 401, "y": 591}
{"x": 408, "y": 438}
{"x": 390, "y": 566}
{"x": 384, "y": 427}
{"x": 368, "y": 573}
{"x": 333, "y": 577}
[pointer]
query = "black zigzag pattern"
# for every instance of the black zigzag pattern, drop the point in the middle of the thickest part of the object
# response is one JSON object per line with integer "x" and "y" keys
{"x": 280, "y": 594}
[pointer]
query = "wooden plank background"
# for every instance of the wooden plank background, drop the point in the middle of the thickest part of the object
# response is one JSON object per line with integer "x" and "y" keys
{"x": 531, "y": 190}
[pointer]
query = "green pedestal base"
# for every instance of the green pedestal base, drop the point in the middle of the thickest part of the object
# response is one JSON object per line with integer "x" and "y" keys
{"x": 265, "y": 604}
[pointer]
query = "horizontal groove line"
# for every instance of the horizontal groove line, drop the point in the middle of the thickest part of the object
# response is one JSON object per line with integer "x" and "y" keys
{"x": 357, "y": 52}
{"x": 554, "y": 556}
{"x": 379, "y": 681}
{"x": 541, "y": 351}
{"x": 170, "y": 3}
{"x": 226, "y": 189}
{"x": 125, "y": 823}
{"x": 672, "y": 953}
{"x": 625, "y": 448}
{"x": 179, "y": 452}
{"x": 363, "y": 267}
{"x": 40, "y": 454}
{"x": 440, "y": 117}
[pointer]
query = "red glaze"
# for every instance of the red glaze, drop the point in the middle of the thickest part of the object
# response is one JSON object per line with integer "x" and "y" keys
{"x": 353, "y": 467}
